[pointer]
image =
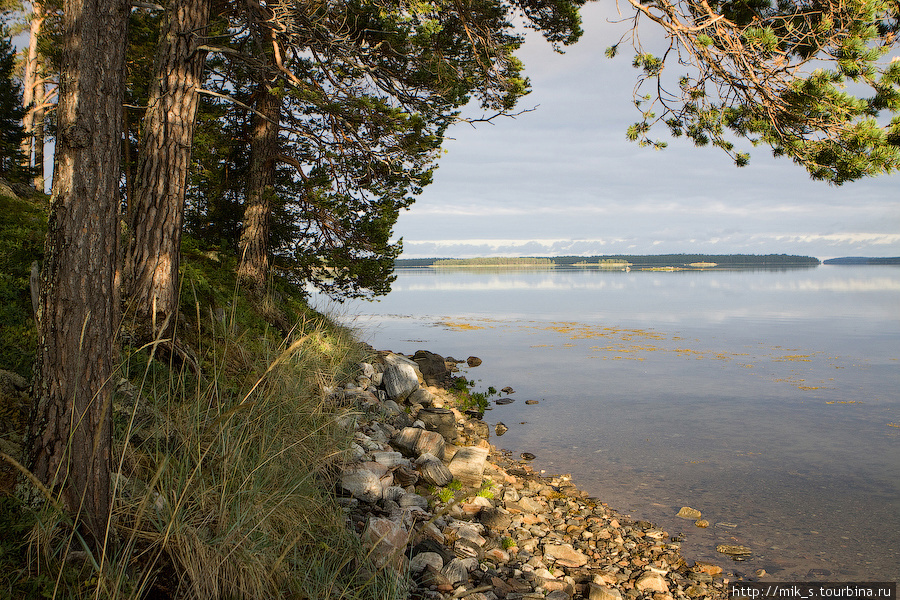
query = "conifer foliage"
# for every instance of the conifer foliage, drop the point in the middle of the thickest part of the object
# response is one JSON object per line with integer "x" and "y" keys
{"x": 11, "y": 112}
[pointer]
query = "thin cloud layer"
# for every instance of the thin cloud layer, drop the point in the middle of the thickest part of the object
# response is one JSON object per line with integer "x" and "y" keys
{"x": 562, "y": 179}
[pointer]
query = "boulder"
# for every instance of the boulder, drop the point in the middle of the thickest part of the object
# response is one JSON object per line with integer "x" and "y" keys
{"x": 399, "y": 381}
{"x": 421, "y": 396}
{"x": 467, "y": 465}
{"x": 388, "y": 540}
{"x": 413, "y": 441}
{"x": 362, "y": 483}
{"x": 433, "y": 471}
{"x": 433, "y": 367}
{"x": 651, "y": 582}
{"x": 441, "y": 420}
{"x": 473, "y": 361}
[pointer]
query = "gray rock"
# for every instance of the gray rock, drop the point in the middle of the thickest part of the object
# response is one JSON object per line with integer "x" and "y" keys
{"x": 468, "y": 465}
{"x": 400, "y": 380}
{"x": 421, "y": 396}
{"x": 413, "y": 441}
{"x": 496, "y": 519}
{"x": 433, "y": 471}
{"x": 362, "y": 483}
{"x": 433, "y": 367}
{"x": 441, "y": 420}
{"x": 388, "y": 540}
{"x": 455, "y": 571}
{"x": 424, "y": 559}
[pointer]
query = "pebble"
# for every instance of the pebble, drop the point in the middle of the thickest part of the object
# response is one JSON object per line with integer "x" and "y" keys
{"x": 505, "y": 533}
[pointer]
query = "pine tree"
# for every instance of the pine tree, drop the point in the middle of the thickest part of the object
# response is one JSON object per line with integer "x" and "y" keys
{"x": 12, "y": 160}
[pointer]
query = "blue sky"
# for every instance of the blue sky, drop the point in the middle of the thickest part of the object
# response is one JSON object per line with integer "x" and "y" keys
{"x": 563, "y": 179}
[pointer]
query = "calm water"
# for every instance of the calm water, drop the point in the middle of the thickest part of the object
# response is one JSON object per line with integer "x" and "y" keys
{"x": 769, "y": 400}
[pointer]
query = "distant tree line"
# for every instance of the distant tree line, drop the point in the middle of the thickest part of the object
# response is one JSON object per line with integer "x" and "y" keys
{"x": 637, "y": 260}
{"x": 494, "y": 261}
{"x": 863, "y": 260}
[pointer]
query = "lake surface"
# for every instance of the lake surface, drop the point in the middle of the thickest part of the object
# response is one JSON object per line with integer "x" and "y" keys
{"x": 767, "y": 399}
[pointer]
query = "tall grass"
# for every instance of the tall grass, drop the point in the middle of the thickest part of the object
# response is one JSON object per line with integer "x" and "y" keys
{"x": 223, "y": 482}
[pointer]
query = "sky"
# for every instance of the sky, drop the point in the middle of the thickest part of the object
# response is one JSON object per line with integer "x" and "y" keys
{"x": 563, "y": 179}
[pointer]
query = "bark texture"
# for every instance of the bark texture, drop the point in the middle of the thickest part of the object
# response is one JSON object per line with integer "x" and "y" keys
{"x": 156, "y": 213}
{"x": 254, "y": 266}
{"x": 33, "y": 100}
{"x": 70, "y": 438}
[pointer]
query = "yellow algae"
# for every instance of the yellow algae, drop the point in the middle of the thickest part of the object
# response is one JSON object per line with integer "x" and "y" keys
{"x": 894, "y": 425}
{"x": 462, "y": 326}
{"x": 844, "y": 402}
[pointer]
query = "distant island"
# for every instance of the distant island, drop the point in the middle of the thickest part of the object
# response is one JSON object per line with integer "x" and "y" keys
{"x": 667, "y": 262}
{"x": 863, "y": 260}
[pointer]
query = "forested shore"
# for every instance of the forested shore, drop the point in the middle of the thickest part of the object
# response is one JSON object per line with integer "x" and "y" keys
{"x": 631, "y": 260}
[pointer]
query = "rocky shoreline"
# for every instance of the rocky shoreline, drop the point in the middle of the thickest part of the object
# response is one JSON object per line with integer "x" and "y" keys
{"x": 435, "y": 501}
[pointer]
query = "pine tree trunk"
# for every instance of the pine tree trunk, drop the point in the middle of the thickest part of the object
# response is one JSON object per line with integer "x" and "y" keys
{"x": 38, "y": 132}
{"x": 156, "y": 213}
{"x": 254, "y": 243}
{"x": 70, "y": 439}
{"x": 30, "y": 80}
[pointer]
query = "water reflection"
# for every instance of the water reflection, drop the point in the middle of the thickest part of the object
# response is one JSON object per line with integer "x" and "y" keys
{"x": 769, "y": 400}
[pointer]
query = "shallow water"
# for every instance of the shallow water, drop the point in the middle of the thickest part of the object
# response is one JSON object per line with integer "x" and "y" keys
{"x": 769, "y": 400}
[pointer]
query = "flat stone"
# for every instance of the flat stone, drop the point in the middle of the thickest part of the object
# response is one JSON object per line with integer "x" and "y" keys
{"x": 565, "y": 555}
{"x": 687, "y": 512}
{"x": 467, "y": 465}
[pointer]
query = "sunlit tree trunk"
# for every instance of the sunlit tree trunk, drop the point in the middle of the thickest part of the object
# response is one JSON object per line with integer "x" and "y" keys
{"x": 254, "y": 265}
{"x": 156, "y": 213}
{"x": 31, "y": 81}
{"x": 70, "y": 439}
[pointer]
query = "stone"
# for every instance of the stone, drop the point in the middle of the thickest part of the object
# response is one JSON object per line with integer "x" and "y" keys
{"x": 425, "y": 559}
{"x": 455, "y": 571}
{"x": 421, "y": 396}
{"x": 409, "y": 500}
{"x": 362, "y": 483}
{"x": 565, "y": 555}
{"x": 500, "y": 429}
{"x": 473, "y": 361}
{"x": 432, "y": 366}
{"x": 651, "y": 582}
{"x": 476, "y": 428}
{"x": 433, "y": 471}
{"x": 531, "y": 402}
{"x": 603, "y": 592}
{"x": 496, "y": 519}
{"x": 399, "y": 381}
{"x": 687, "y": 512}
{"x": 467, "y": 465}
{"x": 702, "y": 523}
{"x": 390, "y": 459}
{"x": 388, "y": 540}
{"x": 526, "y": 505}
{"x": 441, "y": 420}
{"x": 413, "y": 441}
{"x": 734, "y": 550}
